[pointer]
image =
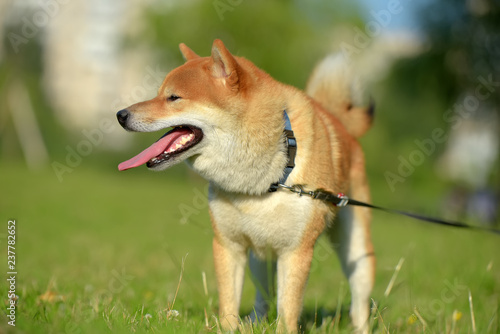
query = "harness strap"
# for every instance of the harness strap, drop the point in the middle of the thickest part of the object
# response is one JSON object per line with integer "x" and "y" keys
{"x": 291, "y": 145}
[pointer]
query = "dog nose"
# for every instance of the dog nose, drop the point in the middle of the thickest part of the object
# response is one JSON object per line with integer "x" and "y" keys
{"x": 122, "y": 116}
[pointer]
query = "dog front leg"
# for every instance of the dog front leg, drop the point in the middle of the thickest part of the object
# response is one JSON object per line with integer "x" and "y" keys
{"x": 293, "y": 271}
{"x": 229, "y": 269}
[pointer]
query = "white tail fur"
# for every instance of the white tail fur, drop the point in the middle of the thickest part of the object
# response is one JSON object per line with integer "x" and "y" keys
{"x": 339, "y": 91}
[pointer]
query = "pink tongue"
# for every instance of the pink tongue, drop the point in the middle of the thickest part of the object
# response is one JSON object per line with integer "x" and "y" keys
{"x": 157, "y": 148}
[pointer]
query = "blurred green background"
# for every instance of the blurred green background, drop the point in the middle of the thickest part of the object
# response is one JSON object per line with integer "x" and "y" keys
{"x": 95, "y": 247}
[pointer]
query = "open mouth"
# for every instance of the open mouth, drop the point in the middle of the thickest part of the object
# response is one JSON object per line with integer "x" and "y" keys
{"x": 176, "y": 141}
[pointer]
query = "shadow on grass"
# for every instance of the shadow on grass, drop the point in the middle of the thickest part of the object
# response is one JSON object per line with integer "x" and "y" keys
{"x": 312, "y": 320}
{"x": 323, "y": 319}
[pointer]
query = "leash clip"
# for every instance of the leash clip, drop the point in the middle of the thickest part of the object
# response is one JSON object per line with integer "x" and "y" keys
{"x": 297, "y": 189}
{"x": 344, "y": 200}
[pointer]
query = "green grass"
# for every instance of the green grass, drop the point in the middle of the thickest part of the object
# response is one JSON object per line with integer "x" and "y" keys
{"x": 102, "y": 252}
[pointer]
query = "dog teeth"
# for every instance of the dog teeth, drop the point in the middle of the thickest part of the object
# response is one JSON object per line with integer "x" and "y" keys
{"x": 185, "y": 139}
{"x": 181, "y": 143}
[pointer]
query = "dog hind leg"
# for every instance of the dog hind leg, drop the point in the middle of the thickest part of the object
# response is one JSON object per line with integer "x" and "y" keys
{"x": 351, "y": 242}
{"x": 263, "y": 274}
{"x": 350, "y": 236}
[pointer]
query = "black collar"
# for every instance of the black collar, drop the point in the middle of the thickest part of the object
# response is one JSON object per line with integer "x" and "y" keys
{"x": 291, "y": 145}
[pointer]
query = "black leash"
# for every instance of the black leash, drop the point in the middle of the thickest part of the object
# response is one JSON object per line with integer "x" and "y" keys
{"x": 342, "y": 200}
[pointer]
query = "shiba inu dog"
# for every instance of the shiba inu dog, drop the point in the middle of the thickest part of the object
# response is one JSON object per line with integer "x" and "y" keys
{"x": 227, "y": 120}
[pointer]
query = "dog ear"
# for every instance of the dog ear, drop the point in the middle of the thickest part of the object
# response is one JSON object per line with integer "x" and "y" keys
{"x": 187, "y": 53}
{"x": 224, "y": 65}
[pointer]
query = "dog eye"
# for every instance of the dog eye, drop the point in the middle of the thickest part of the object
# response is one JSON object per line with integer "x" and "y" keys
{"x": 173, "y": 98}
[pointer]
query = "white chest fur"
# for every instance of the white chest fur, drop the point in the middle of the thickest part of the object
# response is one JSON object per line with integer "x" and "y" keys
{"x": 273, "y": 222}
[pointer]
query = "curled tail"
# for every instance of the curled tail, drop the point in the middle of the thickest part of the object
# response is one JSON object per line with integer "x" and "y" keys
{"x": 333, "y": 85}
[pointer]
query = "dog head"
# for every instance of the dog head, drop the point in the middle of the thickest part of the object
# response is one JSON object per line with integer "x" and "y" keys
{"x": 224, "y": 122}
